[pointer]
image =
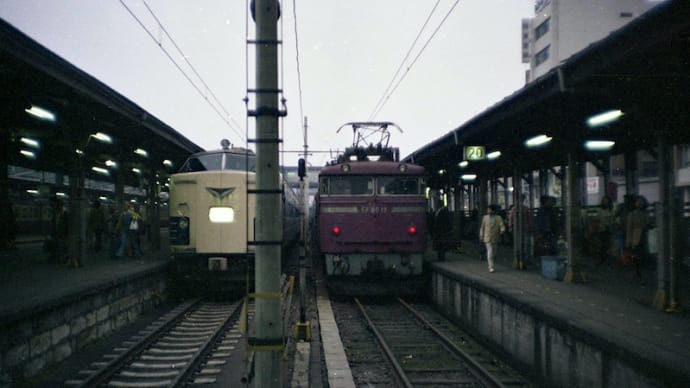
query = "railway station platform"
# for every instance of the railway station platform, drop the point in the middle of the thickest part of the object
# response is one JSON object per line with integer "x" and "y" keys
{"x": 600, "y": 333}
{"x": 49, "y": 311}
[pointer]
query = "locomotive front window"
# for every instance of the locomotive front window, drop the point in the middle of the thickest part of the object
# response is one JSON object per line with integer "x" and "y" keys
{"x": 398, "y": 185}
{"x": 351, "y": 185}
{"x": 240, "y": 162}
{"x": 207, "y": 162}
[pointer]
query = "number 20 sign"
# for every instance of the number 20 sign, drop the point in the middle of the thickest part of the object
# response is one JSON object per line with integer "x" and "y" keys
{"x": 474, "y": 153}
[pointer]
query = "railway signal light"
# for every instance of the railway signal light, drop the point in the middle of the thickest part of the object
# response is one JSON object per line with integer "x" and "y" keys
{"x": 412, "y": 229}
{"x": 336, "y": 231}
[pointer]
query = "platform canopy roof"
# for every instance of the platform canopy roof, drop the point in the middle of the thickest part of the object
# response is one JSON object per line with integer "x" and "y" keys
{"x": 641, "y": 69}
{"x": 33, "y": 76}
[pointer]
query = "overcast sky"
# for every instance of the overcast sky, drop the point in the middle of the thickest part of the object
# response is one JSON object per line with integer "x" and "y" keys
{"x": 349, "y": 52}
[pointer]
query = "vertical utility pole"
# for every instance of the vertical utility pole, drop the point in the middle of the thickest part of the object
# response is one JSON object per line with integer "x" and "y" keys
{"x": 267, "y": 340}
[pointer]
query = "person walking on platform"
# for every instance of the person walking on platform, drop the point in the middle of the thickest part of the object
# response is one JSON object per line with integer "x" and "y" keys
{"x": 96, "y": 225}
{"x": 443, "y": 229}
{"x": 524, "y": 250}
{"x": 122, "y": 230}
{"x": 636, "y": 233}
{"x": 490, "y": 233}
{"x": 604, "y": 217}
{"x": 620, "y": 218}
{"x": 136, "y": 228}
{"x": 59, "y": 232}
{"x": 545, "y": 240}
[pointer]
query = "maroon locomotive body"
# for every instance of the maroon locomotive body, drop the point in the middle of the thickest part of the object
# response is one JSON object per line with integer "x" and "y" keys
{"x": 371, "y": 217}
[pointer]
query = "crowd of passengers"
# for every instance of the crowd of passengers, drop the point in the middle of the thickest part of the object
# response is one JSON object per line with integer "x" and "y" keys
{"x": 610, "y": 233}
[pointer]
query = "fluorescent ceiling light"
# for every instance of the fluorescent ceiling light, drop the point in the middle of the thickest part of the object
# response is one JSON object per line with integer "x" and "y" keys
{"x": 599, "y": 145}
{"x": 463, "y": 164}
{"x": 28, "y": 154}
{"x": 167, "y": 162}
{"x": 141, "y": 152}
{"x": 538, "y": 141}
{"x": 41, "y": 113}
{"x": 136, "y": 170}
{"x": 32, "y": 191}
{"x": 493, "y": 155}
{"x": 30, "y": 142}
{"x": 111, "y": 163}
{"x": 100, "y": 170}
{"x": 102, "y": 137}
{"x": 468, "y": 177}
{"x": 604, "y": 118}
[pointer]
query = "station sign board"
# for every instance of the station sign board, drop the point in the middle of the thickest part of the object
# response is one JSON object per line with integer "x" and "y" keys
{"x": 474, "y": 153}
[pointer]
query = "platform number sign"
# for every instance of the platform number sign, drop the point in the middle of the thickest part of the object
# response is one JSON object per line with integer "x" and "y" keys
{"x": 474, "y": 153}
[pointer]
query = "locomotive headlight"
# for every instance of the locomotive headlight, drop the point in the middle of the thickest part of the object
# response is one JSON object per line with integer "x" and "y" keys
{"x": 402, "y": 167}
{"x": 220, "y": 214}
{"x": 345, "y": 167}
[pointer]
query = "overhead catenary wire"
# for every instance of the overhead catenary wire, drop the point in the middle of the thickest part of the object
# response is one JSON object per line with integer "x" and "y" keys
{"x": 186, "y": 58}
{"x": 177, "y": 65}
{"x": 299, "y": 72}
{"x": 407, "y": 70}
{"x": 402, "y": 63}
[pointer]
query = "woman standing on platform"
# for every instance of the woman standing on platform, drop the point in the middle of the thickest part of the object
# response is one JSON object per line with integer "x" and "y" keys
{"x": 122, "y": 229}
{"x": 490, "y": 233}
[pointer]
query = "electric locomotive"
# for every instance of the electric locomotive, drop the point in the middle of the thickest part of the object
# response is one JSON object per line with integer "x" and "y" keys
{"x": 371, "y": 214}
{"x": 211, "y": 223}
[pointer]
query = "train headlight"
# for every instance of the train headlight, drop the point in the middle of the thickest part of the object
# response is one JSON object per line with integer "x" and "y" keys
{"x": 402, "y": 167}
{"x": 220, "y": 214}
{"x": 345, "y": 168}
{"x": 336, "y": 231}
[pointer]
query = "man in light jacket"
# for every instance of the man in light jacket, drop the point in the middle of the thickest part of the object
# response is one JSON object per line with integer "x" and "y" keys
{"x": 490, "y": 233}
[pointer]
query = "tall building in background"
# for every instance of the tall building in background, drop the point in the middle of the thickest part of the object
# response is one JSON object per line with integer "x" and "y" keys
{"x": 560, "y": 28}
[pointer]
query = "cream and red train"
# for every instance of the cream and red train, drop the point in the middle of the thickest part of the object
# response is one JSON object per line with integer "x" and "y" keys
{"x": 212, "y": 220}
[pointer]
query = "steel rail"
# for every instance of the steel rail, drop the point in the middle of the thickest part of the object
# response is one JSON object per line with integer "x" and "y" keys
{"x": 389, "y": 353}
{"x": 476, "y": 368}
{"x": 200, "y": 355}
{"x": 99, "y": 377}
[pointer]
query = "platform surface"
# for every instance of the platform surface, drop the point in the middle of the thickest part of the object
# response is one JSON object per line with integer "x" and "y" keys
{"x": 612, "y": 304}
{"x": 28, "y": 282}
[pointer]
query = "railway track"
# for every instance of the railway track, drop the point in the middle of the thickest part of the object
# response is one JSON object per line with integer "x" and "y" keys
{"x": 186, "y": 345}
{"x": 424, "y": 349}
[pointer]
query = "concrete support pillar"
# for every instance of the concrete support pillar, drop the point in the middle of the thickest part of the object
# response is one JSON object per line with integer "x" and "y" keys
{"x": 572, "y": 216}
{"x": 153, "y": 212}
{"x": 78, "y": 206}
{"x": 483, "y": 198}
{"x": 8, "y": 227}
{"x": 119, "y": 190}
{"x": 667, "y": 221}
{"x": 519, "y": 246}
{"x": 631, "y": 173}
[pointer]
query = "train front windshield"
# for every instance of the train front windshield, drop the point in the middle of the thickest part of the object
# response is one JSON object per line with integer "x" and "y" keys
{"x": 216, "y": 162}
{"x": 364, "y": 185}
